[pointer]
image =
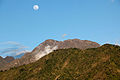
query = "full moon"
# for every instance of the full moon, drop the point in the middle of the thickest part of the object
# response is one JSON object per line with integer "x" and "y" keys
{"x": 35, "y": 7}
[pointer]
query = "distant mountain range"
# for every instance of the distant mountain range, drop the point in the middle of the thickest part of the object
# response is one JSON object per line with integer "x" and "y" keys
{"x": 47, "y": 47}
{"x": 102, "y": 63}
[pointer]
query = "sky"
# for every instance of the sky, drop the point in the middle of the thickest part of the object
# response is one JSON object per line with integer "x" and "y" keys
{"x": 94, "y": 20}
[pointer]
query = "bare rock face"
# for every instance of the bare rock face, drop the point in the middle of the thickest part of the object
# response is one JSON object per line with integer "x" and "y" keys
{"x": 48, "y": 46}
{"x": 4, "y": 61}
{"x": 71, "y": 43}
{"x": 9, "y": 58}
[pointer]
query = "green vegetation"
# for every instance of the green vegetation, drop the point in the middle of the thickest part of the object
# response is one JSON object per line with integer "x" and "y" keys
{"x": 101, "y": 63}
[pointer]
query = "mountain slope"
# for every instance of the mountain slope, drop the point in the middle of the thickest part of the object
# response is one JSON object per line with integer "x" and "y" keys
{"x": 48, "y": 46}
{"x": 9, "y": 58}
{"x": 101, "y": 63}
{"x": 6, "y": 60}
{"x": 2, "y": 62}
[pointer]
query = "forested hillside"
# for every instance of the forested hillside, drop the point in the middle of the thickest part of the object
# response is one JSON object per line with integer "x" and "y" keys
{"x": 102, "y": 63}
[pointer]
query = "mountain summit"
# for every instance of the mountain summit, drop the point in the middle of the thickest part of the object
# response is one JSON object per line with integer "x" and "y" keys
{"x": 6, "y": 60}
{"x": 49, "y": 45}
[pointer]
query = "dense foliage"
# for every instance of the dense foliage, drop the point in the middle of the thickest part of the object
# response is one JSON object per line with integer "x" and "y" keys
{"x": 101, "y": 63}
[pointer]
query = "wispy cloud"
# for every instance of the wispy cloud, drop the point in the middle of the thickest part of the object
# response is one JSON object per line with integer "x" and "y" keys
{"x": 64, "y": 35}
{"x": 24, "y": 51}
{"x": 13, "y": 44}
{"x": 11, "y": 48}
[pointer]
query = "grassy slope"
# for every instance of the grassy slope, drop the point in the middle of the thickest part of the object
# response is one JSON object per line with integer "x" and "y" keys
{"x": 71, "y": 64}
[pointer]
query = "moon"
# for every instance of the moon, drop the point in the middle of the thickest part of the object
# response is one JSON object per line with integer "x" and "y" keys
{"x": 35, "y": 7}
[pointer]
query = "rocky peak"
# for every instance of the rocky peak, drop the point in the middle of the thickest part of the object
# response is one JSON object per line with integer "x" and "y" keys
{"x": 2, "y": 62}
{"x": 50, "y": 42}
{"x": 1, "y": 57}
{"x": 51, "y": 45}
{"x": 9, "y": 58}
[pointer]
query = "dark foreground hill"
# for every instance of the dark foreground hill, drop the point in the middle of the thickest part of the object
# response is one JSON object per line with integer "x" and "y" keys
{"x": 101, "y": 63}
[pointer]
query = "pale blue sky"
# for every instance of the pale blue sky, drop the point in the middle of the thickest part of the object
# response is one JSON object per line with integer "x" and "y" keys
{"x": 95, "y": 20}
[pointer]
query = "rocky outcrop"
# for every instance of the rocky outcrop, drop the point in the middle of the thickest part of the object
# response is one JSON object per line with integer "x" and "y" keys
{"x": 9, "y": 58}
{"x": 5, "y": 61}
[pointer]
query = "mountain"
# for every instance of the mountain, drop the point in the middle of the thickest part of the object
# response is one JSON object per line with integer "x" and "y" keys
{"x": 2, "y": 62}
{"x": 102, "y": 63}
{"x": 9, "y": 58}
{"x": 48, "y": 46}
{"x": 6, "y": 60}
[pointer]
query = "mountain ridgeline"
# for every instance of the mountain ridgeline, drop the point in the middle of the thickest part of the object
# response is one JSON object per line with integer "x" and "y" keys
{"x": 102, "y": 63}
{"x": 47, "y": 47}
